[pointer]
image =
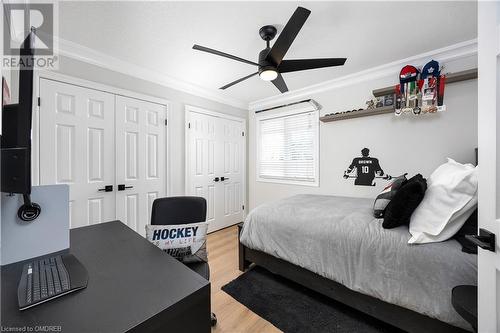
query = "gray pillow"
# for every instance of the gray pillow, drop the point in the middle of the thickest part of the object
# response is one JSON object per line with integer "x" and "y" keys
{"x": 383, "y": 199}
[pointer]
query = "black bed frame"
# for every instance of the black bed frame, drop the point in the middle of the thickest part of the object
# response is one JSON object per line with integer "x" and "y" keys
{"x": 394, "y": 315}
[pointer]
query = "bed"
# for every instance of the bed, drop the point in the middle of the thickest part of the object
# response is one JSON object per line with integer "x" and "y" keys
{"x": 334, "y": 245}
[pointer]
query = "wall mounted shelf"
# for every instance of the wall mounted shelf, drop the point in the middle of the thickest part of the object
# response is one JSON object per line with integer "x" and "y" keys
{"x": 357, "y": 114}
{"x": 468, "y": 74}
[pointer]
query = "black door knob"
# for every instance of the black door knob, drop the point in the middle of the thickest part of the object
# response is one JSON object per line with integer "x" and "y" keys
{"x": 216, "y": 179}
{"x": 107, "y": 188}
{"x": 122, "y": 187}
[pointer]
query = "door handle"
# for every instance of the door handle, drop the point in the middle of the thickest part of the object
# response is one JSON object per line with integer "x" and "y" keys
{"x": 107, "y": 188}
{"x": 224, "y": 178}
{"x": 122, "y": 187}
{"x": 485, "y": 240}
{"x": 216, "y": 179}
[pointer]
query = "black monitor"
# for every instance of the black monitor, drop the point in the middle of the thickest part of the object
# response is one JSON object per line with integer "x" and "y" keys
{"x": 16, "y": 136}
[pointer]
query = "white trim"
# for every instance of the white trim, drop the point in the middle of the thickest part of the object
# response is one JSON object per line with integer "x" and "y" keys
{"x": 82, "y": 53}
{"x": 498, "y": 40}
{"x": 168, "y": 175}
{"x": 192, "y": 108}
{"x": 54, "y": 76}
{"x": 488, "y": 107}
{"x": 187, "y": 120}
{"x": 279, "y": 114}
{"x": 285, "y": 111}
{"x": 188, "y": 110}
{"x": 445, "y": 54}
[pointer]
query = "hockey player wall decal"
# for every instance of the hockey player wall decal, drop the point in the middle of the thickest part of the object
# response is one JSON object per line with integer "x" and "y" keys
{"x": 365, "y": 169}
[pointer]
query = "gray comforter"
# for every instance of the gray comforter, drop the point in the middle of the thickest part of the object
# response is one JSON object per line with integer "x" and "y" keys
{"x": 338, "y": 238}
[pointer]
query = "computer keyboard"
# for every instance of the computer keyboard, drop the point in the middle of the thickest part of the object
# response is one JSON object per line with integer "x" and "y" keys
{"x": 48, "y": 278}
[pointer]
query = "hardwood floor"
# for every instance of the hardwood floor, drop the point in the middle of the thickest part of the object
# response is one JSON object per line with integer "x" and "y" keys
{"x": 233, "y": 317}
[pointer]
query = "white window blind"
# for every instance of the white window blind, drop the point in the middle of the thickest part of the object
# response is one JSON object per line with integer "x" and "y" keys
{"x": 288, "y": 148}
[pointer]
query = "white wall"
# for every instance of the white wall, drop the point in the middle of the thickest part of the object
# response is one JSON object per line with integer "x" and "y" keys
{"x": 178, "y": 100}
{"x": 402, "y": 144}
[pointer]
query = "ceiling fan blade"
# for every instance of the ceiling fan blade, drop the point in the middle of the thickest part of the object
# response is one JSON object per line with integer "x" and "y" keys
{"x": 238, "y": 81}
{"x": 287, "y": 36}
{"x": 280, "y": 84}
{"x": 222, "y": 54}
{"x": 304, "y": 64}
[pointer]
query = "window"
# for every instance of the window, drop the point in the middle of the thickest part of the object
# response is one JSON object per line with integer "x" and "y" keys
{"x": 287, "y": 147}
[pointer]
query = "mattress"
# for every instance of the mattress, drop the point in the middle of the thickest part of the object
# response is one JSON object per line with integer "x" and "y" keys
{"x": 338, "y": 238}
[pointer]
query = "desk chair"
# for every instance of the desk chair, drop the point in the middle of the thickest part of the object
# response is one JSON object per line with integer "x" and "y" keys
{"x": 183, "y": 210}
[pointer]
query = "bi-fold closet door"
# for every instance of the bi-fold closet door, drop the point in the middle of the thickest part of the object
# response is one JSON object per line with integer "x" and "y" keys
{"x": 215, "y": 161}
{"x": 140, "y": 159}
{"x": 109, "y": 149}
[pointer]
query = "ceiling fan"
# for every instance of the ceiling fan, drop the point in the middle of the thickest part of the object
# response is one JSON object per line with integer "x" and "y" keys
{"x": 271, "y": 64}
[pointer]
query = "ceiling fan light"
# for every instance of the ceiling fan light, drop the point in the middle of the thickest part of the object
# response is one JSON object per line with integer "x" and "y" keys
{"x": 268, "y": 74}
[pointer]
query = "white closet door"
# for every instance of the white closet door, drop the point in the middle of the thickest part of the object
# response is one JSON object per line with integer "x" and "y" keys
{"x": 215, "y": 152}
{"x": 489, "y": 166}
{"x": 140, "y": 160}
{"x": 203, "y": 162}
{"x": 76, "y": 141}
{"x": 233, "y": 159}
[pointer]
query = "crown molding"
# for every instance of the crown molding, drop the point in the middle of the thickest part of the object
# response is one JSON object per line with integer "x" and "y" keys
{"x": 82, "y": 53}
{"x": 445, "y": 54}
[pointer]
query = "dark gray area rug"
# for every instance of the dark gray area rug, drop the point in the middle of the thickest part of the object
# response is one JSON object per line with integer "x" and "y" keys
{"x": 293, "y": 308}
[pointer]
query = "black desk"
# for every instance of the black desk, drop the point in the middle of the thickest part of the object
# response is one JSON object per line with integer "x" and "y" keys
{"x": 133, "y": 287}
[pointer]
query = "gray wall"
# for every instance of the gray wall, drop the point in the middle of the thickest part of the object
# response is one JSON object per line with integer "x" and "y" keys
{"x": 402, "y": 144}
{"x": 178, "y": 100}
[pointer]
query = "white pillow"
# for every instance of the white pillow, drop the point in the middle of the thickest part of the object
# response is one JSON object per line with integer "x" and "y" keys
{"x": 450, "y": 199}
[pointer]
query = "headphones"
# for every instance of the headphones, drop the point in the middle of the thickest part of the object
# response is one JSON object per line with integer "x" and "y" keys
{"x": 29, "y": 211}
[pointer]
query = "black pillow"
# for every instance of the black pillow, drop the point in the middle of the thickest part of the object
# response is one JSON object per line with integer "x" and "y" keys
{"x": 404, "y": 202}
{"x": 383, "y": 199}
{"x": 469, "y": 228}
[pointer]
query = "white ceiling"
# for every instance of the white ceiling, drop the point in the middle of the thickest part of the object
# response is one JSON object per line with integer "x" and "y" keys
{"x": 159, "y": 36}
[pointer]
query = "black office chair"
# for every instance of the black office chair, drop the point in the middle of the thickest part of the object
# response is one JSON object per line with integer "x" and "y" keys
{"x": 183, "y": 210}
